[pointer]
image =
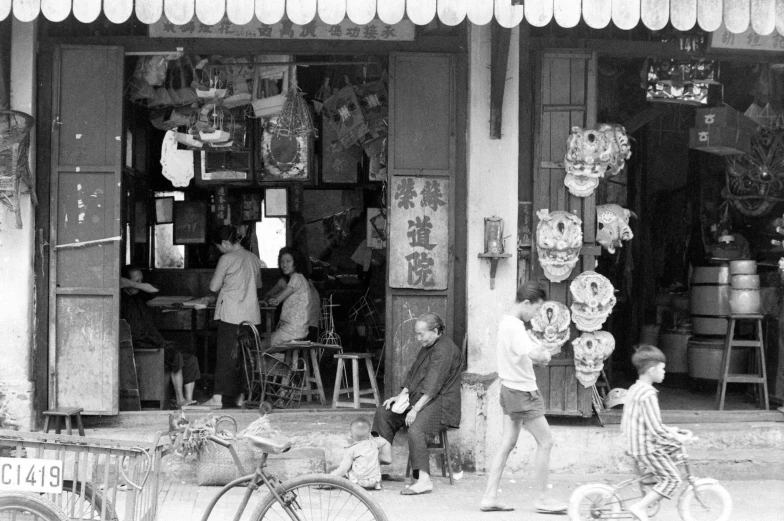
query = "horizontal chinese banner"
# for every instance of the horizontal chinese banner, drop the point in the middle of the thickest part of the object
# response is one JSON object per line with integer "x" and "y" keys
{"x": 287, "y": 30}
{"x": 746, "y": 41}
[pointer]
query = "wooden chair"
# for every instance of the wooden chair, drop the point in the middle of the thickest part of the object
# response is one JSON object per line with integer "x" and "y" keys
{"x": 357, "y": 392}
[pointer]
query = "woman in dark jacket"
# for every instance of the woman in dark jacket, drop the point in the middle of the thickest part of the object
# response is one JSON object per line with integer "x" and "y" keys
{"x": 429, "y": 401}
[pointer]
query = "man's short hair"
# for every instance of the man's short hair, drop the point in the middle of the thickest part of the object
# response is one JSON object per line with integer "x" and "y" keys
{"x": 646, "y": 356}
{"x": 530, "y": 291}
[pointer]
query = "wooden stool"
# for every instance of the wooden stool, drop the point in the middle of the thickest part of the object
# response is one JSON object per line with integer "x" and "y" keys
{"x": 355, "y": 358}
{"x": 440, "y": 447}
{"x": 756, "y": 363}
{"x": 313, "y": 383}
{"x": 64, "y": 412}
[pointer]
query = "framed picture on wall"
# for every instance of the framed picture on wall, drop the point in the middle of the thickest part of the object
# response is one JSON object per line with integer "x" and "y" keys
{"x": 251, "y": 206}
{"x": 275, "y": 202}
{"x": 190, "y": 222}
{"x": 164, "y": 210}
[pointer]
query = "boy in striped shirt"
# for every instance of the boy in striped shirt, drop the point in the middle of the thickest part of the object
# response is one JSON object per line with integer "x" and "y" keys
{"x": 647, "y": 439}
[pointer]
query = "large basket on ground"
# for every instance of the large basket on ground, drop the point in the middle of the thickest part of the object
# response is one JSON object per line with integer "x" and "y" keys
{"x": 103, "y": 480}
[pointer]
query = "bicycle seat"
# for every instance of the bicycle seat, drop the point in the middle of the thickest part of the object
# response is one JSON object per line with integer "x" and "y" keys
{"x": 267, "y": 445}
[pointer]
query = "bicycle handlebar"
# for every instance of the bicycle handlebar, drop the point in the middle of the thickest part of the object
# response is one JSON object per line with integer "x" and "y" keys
{"x": 219, "y": 441}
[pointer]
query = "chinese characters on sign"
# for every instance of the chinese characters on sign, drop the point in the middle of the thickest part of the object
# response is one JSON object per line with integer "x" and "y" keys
{"x": 286, "y": 30}
{"x": 419, "y": 228}
{"x": 746, "y": 41}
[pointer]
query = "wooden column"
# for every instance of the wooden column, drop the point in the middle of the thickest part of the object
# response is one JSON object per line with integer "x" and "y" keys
{"x": 499, "y": 57}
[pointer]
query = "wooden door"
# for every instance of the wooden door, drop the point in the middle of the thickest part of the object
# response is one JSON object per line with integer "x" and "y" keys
{"x": 564, "y": 96}
{"x": 85, "y": 228}
{"x": 421, "y": 190}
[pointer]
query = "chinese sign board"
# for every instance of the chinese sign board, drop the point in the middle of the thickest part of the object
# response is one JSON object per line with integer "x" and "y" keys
{"x": 746, "y": 41}
{"x": 419, "y": 230}
{"x": 287, "y": 30}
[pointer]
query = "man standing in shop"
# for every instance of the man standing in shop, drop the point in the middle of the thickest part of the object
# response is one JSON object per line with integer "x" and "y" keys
{"x": 520, "y": 400}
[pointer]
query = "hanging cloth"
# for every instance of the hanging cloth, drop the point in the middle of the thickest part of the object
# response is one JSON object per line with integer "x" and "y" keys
{"x": 177, "y": 164}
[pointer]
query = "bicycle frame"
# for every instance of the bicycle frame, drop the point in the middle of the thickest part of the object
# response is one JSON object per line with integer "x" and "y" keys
{"x": 254, "y": 480}
{"x": 689, "y": 481}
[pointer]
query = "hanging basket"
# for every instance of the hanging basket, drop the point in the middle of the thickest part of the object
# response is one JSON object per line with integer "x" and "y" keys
{"x": 15, "y": 130}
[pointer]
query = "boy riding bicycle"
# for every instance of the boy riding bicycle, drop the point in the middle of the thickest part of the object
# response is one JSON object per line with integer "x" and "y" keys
{"x": 647, "y": 439}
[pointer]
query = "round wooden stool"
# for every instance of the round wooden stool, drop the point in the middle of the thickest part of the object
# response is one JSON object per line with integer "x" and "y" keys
{"x": 357, "y": 392}
{"x": 67, "y": 413}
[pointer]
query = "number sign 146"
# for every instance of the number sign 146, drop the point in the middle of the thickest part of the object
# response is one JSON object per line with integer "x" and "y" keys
{"x": 31, "y": 475}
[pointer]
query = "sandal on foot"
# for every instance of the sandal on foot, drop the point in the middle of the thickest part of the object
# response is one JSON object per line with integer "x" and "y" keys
{"x": 496, "y": 508}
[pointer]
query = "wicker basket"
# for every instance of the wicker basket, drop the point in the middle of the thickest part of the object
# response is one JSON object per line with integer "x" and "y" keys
{"x": 15, "y": 130}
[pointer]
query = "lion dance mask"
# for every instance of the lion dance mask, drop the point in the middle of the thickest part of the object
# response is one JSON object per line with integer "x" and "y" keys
{"x": 755, "y": 181}
{"x": 593, "y": 298}
{"x": 613, "y": 226}
{"x": 559, "y": 238}
{"x": 592, "y": 154}
{"x": 590, "y": 352}
{"x": 551, "y": 326}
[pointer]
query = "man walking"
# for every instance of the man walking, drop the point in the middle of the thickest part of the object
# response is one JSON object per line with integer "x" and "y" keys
{"x": 520, "y": 399}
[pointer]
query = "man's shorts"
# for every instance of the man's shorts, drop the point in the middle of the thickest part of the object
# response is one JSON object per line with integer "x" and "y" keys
{"x": 521, "y": 405}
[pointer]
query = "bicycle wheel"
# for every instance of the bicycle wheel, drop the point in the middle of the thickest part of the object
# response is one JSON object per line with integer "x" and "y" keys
{"x": 593, "y": 501}
{"x": 320, "y": 497}
{"x": 88, "y": 507}
{"x": 707, "y": 500}
{"x": 18, "y": 506}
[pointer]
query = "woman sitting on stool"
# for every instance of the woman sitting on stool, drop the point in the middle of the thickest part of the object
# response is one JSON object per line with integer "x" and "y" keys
{"x": 300, "y": 299}
{"x": 429, "y": 401}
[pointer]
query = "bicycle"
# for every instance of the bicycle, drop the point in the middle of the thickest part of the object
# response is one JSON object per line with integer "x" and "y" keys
{"x": 703, "y": 499}
{"x": 319, "y": 497}
{"x": 52, "y": 477}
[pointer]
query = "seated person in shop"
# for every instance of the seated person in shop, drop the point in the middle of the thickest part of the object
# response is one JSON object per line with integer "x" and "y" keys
{"x": 300, "y": 311}
{"x": 183, "y": 367}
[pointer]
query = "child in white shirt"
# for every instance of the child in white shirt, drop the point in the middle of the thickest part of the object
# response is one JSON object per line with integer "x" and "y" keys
{"x": 362, "y": 461}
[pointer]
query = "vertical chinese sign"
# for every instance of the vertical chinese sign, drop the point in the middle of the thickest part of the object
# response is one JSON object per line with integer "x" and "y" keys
{"x": 419, "y": 230}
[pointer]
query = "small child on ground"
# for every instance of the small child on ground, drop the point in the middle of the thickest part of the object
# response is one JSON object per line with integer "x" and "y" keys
{"x": 647, "y": 439}
{"x": 362, "y": 461}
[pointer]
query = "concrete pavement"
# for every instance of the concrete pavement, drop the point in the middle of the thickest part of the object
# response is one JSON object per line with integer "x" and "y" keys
{"x": 753, "y": 500}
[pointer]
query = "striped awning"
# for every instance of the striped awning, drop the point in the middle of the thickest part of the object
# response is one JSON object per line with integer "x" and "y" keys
{"x": 763, "y": 16}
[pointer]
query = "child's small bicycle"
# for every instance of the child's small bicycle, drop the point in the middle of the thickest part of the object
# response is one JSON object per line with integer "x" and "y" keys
{"x": 699, "y": 499}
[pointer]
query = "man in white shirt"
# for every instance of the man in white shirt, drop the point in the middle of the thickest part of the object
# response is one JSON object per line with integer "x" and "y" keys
{"x": 520, "y": 399}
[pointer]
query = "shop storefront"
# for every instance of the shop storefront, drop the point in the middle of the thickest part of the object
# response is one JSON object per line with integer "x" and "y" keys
{"x": 476, "y": 124}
